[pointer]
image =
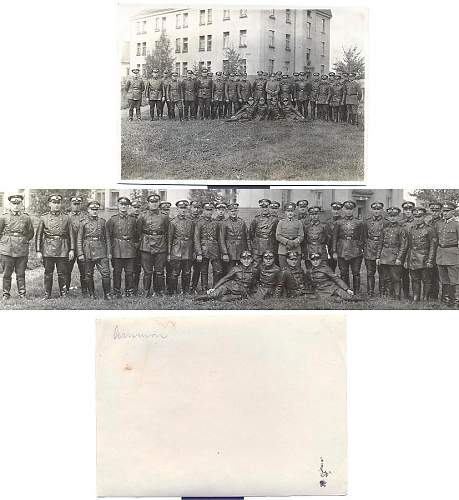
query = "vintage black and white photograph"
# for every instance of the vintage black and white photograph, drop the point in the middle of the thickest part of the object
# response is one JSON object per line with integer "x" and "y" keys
{"x": 242, "y": 94}
{"x": 230, "y": 248}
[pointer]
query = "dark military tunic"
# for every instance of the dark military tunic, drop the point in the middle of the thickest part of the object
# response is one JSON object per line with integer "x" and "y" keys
{"x": 294, "y": 282}
{"x": 232, "y": 91}
{"x": 55, "y": 237}
{"x": 348, "y": 238}
{"x": 219, "y": 90}
{"x": 323, "y": 93}
{"x": 152, "y": 228}
{"x": 325, "y": 282}
{"x": 181, "y": 234}
{"x": 302, "y": 90}
{"x": 337, "y": 94}
{"x": 422, "y": 245}
{"x": 372, "y": 235}
{"x": 93, "y": 239}
{"x": 448, "y": 242}
{"x": 394, "y": 244}
{"x": 233, "y": 237}
{"x": 352, "y": 92}
{"x": 15, "y": 233}
{"x": 315, "y": 90}
{"x": 174, "y": 91}
{"x": 244, "y": 90}
{"x": 315, "y": 238}
{"x": 269, "y": 282}
{"x": 285, "y": 90}
{"x": 123, "y": 236}
{"x": 154, "y": 89}
{"x": 262, "y": 233}
{"x": 189, "y": 89}
{"x": 207, "y": 238}
{"x": 204, "y": 88}
{"x": 135, "y": 87}
{"x": 258, "y": 89}
{"x": 240, "y": 282}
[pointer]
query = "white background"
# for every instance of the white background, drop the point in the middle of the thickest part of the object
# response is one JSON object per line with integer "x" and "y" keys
{"x": 60, "y": 117}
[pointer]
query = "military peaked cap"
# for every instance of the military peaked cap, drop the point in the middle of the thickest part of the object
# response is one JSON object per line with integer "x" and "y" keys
{"x": 264, "y": 202}
{"x": 407, "y": 204}
{"x": 221, "y": 205}
{"x": 314, "y": 210}
{"x": 336, "y": 205}
{"x": 393, "y": 210}
{"x": 94, "y": 205}
{"x": 315, "y": 256}
{"x": 136, "y": 204}
{"x": 55, "y": 197}
{"x": 233, "y": 206}
{"x": 16, "y": 197}
{"x": 448, "y": 205}
{"x": 302, "y": 203}
{"x": 124, "y": 200}
{"x": 135, "y": 70}
{"x": 246, "y": 254}
{"x": 377, "y": 205}
{"x": 419, "y": 209}
{"x": 165, "y": 204}
{"x": 76, "y": 199}
{"x": 182, "y": 204}
{"x": 195, "y": 203}
{"x": 208, "y": 206}
{"x": 289, "y": 207}
{"x": 349, "y": 204}
{"x": 292, "y": 255}
{"x": 154, "y": 197}
{"x": 435, "y": 205}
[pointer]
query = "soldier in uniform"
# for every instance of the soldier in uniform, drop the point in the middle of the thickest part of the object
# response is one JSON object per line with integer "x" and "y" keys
{"x": 274, "y": 208}
{"x": 289, "y": 234}
{"x": 233, "y": 239}
{"x": 189, "y": 95}
{"x": 391, "y": 253}
{"x": 348, "y": 245}
{"x": 302, "y": 93}
{"x": 262, "y": 231}
{"x": 76, "y": 217}
{"x": 448, "y": 254}
{"x": 165, "y": 209}
{"x": 343, "y": 105}
{"x": 244, "y": 90}
{"x": 285, "y": 89}
{"x": 294, "y": 280}
{"x": 331, "y": 83}
{"x": 432, "y": 219}
{"x": 219, "y": 94}
{"x": 238, "y": 284}
{"x": 407, "y": 222}
{"x": 372, "y": 235}
{"x": 272, "y": 88}
{"x": 55, "y": 244}
{"x": 195, "y": 217}
{"x": 287, "y": 111}
{"x": 154, "y": 92}
{"x": 302, "y": 211}
{"x": 273, "y": 109}
{"x": 174, "y": 97}
{"x": 124, "y": 243}
{"x": 180, "y": 244}
{"x": 336, "y": 208}
{"x": 325, "y": 283}
{"x": 323, "y": 96}
{"x": 336, "y": 99}
{"x": 422, "y": 246}
{"x": 262, "y": 110}
{"x": 353, "y": 95}
{"x": 220, "y": 217}
{"x": 16, "y": 230}
{"x": 232, "y": 98}
{"x": 258, "y": 87}
{"x": 247, "y": 112}
{"x": 207, "y": 246}
{"x": 135, "y": 87}
{"x": 152, "y": 227}
{"x": 165, "y": 81}
{"x": 269, "y": 278}
{"x": 204, "y": 95}
{"x": 315, "y": 83}
{"x": 93, "y": 249}
{"x": 136, "y": 207}
{"x": 316, "y": 235}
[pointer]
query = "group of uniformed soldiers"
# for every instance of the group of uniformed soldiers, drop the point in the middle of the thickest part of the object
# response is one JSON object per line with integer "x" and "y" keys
{"x": 289, "y": 254}
{"x": 331, "y": 97}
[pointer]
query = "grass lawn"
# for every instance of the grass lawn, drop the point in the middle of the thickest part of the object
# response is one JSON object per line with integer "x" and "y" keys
{"x": 218, "y": 150}
{"x": 35, "y": 294}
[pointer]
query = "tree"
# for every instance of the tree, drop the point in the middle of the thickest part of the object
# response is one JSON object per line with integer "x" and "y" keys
{"x": 39, "y": 198}
{"x": 212, "y": 195}
{"x": 429, "y": 195}
{"x": 352, "y": 62}
{"x": 142, "y": 194}
{"x": 160, "y": 58}
{"x": 233, "y": 61}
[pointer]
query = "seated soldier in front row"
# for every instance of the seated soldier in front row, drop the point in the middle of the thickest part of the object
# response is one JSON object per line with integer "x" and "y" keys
{"x": 295, "y": 281}
{"x": 288, "y": 112}
{"x": 247, "y": 112}
{"x": 239, "y": 283}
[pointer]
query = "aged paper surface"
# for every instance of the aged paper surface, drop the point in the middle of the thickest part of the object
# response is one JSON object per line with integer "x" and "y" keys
{"x": 221, "y": 405}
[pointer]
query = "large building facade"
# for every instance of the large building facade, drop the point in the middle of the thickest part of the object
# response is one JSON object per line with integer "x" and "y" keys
{"x": 287, "y": 40}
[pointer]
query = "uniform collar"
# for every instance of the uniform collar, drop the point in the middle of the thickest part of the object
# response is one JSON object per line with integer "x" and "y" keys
{"x": 16, "y": 214}
{"x": 315, "y": 222}
{"x": 348, "y": 217}
{"x": 377, "y": 217}
{"x": 181, "y": 216}
{"x": 123, "y": 216}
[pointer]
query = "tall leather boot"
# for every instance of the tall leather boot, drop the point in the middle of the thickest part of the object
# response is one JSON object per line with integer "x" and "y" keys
{"x": 172, "y": 285}
{"x": 106, "y": 288}
{"x": 356, "y": 284}
{"x": 6, "y": 287}
{"x": 186, "y": 282}
{"x": 196, "y": 272}
{"x": 91, "y": 290}
{"x": 416, "y": 285}
{"x": 21, "y": 286}
{"x": 117, "y": 285}
{"x": 427, "y": 291}
{"x": 129, "y": 280}
{"x": 48, "y": 281}
{"x": 216, "y": 276}
{"x": 371, "y": 286}
{"x": 84, "y": 286}
{"x": 147, "y": 284}
{"x": 397, "y": 290}
{"x": 62, "y": 283}
{"x": 345, "y": 278}
{"x": 446, "y": 294}
{"x": 204, "y": 281}
{"x": 135, "y": 283}
{"x": 160, "y": 285}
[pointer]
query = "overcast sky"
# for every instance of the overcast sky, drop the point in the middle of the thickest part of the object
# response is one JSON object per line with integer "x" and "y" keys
{"x": 348, "y": 27}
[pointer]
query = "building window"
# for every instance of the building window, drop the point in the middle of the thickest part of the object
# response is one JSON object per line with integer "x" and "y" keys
{"x": 139, "y": 49}
{"x": 288, "y": 14}
{"x": 226, "y": 39}
{"x": 185, "y": 45}
{"x": 308, "y": 55}
{"x": 138, "y": 27}
{"x": 209, "y": 65}
{"x": 323, "y": 25}
{"x": 271, "y": 14}
{"x": 308, "y": 30}
{"x": 202, "y": 43}
{"x": 144, "y": 27}
{"x": 163, "y": 23}
{"x": 287, "y": 66}
{"x": 209, "y": 43}
{"x": 202, "y": 17}
{"x": 184, "y": 68}
{"x": 144, "y": 48}
{"x": 226, "y": 15}
{"x": 178, "y": 44}
{"x": 178, "y": 21}
{"x": 271, "y": 66}
{"x": 185, "y": 20}
{"x": 323, "y": 49}
{"x": 209, "y": 16}
{"x": 201, "y": 65}
{"x": 271, "y": 39}
{"x": 138, "y": 66}
{"x": 100, "y": 197}
{"x": 225, "y": 65}
{"x": 156, "y": 44}
{"x": 308, "y": 13}
{"x": 114, "y": 195}
{"x": 287, "y": 42}
{"x": 319, "y": 199}
{"x": 244, "y": 65}
{"x": 322, "y": 69}
{"x": 243, "y": 38}
{"x": 177, "y": 68}
{"x": 243, "y": 13}
{"x": 157, "y": 24}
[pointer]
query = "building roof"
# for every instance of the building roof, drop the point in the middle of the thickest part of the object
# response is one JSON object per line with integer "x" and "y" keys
{"x": 325, "y": 12}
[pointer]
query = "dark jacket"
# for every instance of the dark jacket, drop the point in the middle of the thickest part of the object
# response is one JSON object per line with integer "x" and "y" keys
{"x": 54, "y": 236}
{"x": 15, "y": 233}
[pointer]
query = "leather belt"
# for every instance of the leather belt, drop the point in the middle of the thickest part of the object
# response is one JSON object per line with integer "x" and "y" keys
{"x": 13, "y": 234}
{"x": 124, "y": 238}
{"x": 208, "y": 239}
{"x": 184, "y": 239}
{"x": 350, "y": 238}
{"x": 234, "y": 239}
{"x": 154, "y": 233}
{"x": 374, "y": 238}
{"x": 53, "y": 237}
{"x": 93, "y": 238}
{"x": 448, "y": 246}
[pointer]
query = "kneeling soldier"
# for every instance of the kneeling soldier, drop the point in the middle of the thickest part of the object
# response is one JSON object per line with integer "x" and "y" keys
{"x": 92, "y": 249}
{"x": 391, "y": 253}
{"x": 124, "y": 242}
{"x": 180, "y": 244}
{"x": 55, "y": 243}
{"x": 16, "y": 230}
{"x": 422, "y": 246}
